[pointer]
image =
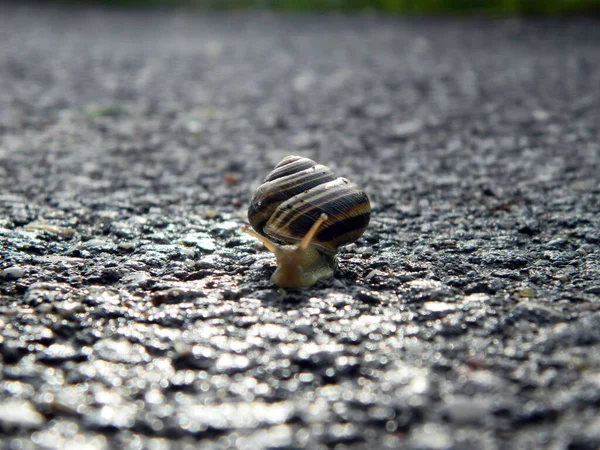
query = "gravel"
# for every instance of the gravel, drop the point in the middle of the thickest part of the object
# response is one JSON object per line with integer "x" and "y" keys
{"x": 134, "y": 314}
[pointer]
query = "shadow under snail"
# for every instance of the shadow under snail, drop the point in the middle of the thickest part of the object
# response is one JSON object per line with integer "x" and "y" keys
{"x": 303, "y": 212}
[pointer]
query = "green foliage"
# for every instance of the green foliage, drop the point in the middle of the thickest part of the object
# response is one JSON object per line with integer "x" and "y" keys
{"x": 492, "y": 7}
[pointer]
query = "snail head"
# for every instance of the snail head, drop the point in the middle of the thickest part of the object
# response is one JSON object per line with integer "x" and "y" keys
{"x": 298, "y": 265}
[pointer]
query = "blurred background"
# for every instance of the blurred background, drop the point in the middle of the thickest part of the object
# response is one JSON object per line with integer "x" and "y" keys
{"x": 492, "y": 7}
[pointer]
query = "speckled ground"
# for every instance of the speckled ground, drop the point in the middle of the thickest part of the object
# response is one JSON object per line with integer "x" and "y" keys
{"x": 134, "y": 314}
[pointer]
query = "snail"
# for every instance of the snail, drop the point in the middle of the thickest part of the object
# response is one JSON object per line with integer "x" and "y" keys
{"x": 312, "y": 212}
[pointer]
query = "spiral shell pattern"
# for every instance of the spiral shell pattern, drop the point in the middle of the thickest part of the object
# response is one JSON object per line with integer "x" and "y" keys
{"x": 296, "y": 193}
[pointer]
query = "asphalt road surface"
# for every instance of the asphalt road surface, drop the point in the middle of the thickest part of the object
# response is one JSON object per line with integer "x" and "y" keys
{"x": 135, "y": 315}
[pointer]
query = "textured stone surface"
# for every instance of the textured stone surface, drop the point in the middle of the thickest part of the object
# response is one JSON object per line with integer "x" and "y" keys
{"x": 134, "y": 314}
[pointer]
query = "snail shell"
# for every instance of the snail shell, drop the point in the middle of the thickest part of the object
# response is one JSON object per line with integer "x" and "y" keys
{"x": 297, "y": 193}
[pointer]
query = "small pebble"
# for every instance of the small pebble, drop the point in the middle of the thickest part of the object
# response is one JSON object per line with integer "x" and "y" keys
{"x": 466, "y": 411}
{"x": 556, "y": 243}
{"x": 431, "y": 437}
{"x": 527, "y": 292}
{"x": 374, "y": 273}
{"x": 125, "y": 245}
{"x": 20, "y": 414}
{"x": 406, "y": 129}
{"x": 540, "y": 115}
{"x": 13, "y": 272}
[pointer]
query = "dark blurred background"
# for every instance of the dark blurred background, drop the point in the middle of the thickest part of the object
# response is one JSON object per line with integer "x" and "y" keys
{"x": 492, "y": 7}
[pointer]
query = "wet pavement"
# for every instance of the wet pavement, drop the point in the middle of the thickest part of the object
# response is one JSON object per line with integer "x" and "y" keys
{"x": 134, "y": 314}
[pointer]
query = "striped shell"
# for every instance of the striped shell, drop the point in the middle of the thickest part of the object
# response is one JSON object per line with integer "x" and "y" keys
{"x": 296, "y": 193}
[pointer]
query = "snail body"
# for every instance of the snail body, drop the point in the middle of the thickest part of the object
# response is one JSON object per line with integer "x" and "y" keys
{"x": 303, "y": 212}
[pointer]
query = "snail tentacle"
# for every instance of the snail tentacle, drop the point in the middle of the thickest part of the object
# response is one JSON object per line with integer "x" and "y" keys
{"x": 270, "y": 245}
{"x": 306, "y": 240}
